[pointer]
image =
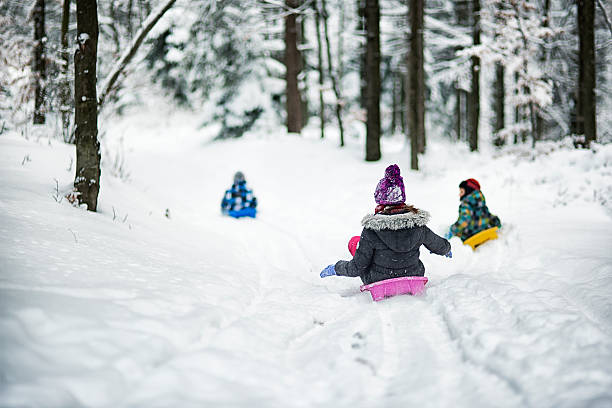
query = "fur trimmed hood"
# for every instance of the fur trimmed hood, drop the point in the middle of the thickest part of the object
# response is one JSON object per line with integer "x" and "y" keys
{"x": 379, "y": 222}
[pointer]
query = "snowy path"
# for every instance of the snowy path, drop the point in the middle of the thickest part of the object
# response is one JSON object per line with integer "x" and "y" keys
{"x": 104, "y": 311}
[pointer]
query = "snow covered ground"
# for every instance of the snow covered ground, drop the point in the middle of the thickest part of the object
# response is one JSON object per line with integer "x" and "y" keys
{"x": 129, "y": 307}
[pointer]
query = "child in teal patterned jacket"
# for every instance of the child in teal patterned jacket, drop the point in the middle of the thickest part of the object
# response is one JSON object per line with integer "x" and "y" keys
{"x": 474, "y": 215}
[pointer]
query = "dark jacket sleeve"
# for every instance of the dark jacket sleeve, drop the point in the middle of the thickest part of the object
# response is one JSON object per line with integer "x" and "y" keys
{"x": 362, "y": 260}
{"x": 435, "y": 243}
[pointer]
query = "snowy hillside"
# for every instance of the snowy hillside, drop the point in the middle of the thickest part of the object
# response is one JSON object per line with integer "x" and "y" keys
{"x": 159, "y": 301}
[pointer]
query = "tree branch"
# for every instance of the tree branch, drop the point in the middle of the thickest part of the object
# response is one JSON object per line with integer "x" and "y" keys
{"x": 125, "y": 59}
{"x": 603, "y": 10}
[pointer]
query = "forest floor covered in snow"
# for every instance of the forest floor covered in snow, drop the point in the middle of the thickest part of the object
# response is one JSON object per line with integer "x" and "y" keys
{"x": 158, "y": 300}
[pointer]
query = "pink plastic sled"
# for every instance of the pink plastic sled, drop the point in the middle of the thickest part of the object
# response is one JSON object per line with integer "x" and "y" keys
{"x": 413, "y": 285}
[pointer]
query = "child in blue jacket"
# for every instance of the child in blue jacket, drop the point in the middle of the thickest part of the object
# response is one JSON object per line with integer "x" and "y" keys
{"x": 239, "y": 200}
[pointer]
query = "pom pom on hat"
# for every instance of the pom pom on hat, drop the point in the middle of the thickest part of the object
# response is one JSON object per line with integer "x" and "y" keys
{"x": 390, "y": 190}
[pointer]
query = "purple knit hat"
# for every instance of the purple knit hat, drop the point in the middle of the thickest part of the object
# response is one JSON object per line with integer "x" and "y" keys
{"x": 390, "y": 190}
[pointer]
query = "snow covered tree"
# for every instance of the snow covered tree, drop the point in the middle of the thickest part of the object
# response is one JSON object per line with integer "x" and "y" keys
{"x": 333, "y": 73}
{"x": 16, "y": 50}
{"x": 519, "y": 30}
{"x": 87, "y": 179}
{"x": 131, "y": 51}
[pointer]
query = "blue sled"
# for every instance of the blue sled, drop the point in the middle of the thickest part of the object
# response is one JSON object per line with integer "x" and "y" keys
{"x": 245, "y": 212}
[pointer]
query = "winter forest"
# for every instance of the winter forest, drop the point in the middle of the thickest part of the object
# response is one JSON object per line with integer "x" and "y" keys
{"x": 180, "y": 181}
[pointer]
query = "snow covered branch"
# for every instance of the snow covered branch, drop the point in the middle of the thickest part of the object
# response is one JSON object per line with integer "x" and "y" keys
{"x": 605, "y": 15}
{"x": 125, "y": 59}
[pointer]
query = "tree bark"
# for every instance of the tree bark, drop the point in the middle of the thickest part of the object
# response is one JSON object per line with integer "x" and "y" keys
{"x": 544, "y": 56}
{"x": 517, "y": 110}
{"x": 474, "y": 95}
{"x": 333, "y": 76}
{"x": 416, "y": 86}
{"x": 500, "y": 96}
{"x": 125, "y": 59}
{"x": 39, "y": 65}
{"x": 500, "y": 90}
{"x": 586, "y": 115}
{"x": 303, "y": 84}
{"x": 64, "y": 92}
{"x": 340, "y": 71}
{"x": 87, "y": 179}
{"x": 458, "y": 112}
{"x": 363, "y": 81}
{"x": 292, "y": 65}
{"x": 403, "y": 103}
{"x": 417, "y": 41}
{"x": 462, "y": 14}
{"x": 372, "y": 12}
{"x": 320, "y": 69}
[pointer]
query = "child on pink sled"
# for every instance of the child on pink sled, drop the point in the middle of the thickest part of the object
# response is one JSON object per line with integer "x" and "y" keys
{"x": 388, "y": 247}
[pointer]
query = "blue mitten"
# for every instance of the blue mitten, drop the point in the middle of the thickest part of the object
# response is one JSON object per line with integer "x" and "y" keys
{"x": 448, "y": 235}
{"x": 329, "y": 270}
{"x": 449, "y": 255}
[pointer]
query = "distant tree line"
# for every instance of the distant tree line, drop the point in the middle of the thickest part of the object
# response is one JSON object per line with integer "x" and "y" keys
{"x": 369, "y": 67}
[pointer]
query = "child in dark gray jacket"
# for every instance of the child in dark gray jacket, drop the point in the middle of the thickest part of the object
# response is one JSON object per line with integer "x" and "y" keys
{"x": 391, "y": 237}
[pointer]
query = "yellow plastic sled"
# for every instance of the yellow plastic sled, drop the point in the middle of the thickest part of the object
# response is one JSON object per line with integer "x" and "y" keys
{"x": 481, "y": 237}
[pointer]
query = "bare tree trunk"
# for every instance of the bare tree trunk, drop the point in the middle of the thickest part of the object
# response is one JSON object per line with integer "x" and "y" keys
{"x": 517, "y": 110}
{"x": 332, "y": 75}
{"x": 292, "y": 65}
{"x": 372, "y": 12}
{"x": 64, "y": 91}
{"x": 458, "y": 111}
{"x": 461, "y": 9}
{"x": 131, "y": 52}
{"x": 416, "y": 86}
{"x": 363, "y": 80}
{"x": 403, "y": 103}
{"x": 39, "y": 65}
{"x": 527, "y": 89}
{"x": 420, "y": 72}
{"x": 320, "y": 69}
{"x": 87, "y": 179}
{"x": 586, "y": 115}
{"x": 544, "y": 60}
{"x": 500, "y": 96}
{"x": 340, "y": 70}
{"x": 474, "y": 95}
{"x": 500, "y": 91}
{"x": 303, "y": 84}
